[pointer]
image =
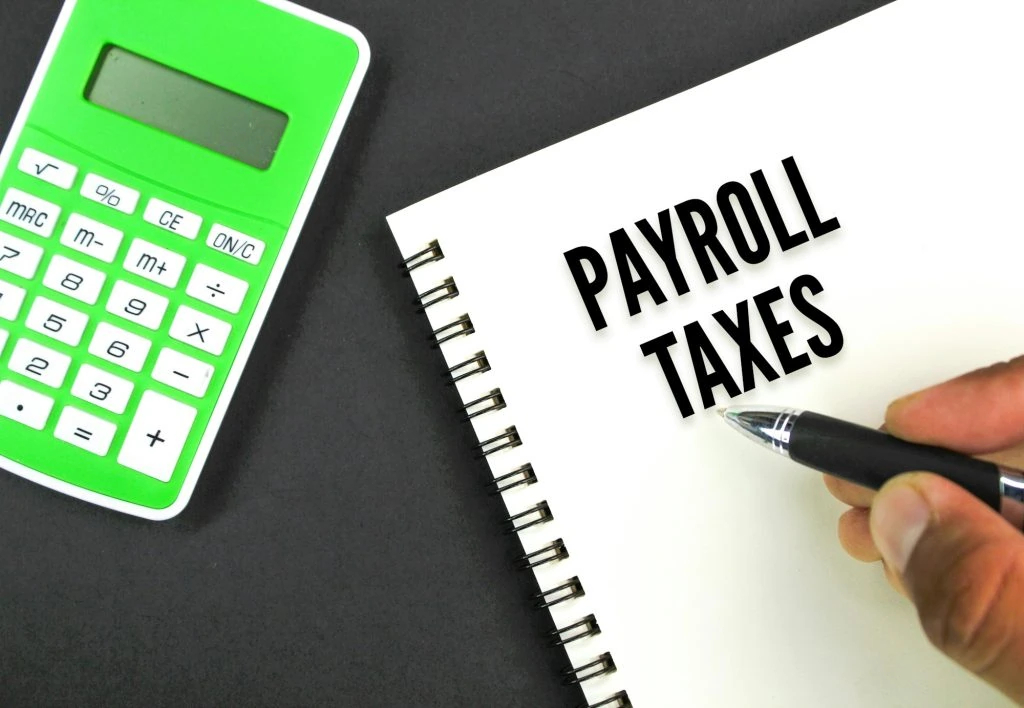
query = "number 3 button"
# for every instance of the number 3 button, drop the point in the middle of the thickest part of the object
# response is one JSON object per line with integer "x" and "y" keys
{"x": 102, "y": 389}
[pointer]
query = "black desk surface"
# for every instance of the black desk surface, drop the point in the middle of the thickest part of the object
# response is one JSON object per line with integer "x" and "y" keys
{"x": 340, "y": 549}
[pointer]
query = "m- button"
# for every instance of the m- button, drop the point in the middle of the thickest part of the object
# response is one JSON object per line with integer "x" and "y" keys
{"x": 170, "y": 218}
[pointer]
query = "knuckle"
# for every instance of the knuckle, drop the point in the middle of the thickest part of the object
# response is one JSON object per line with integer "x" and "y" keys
{"x": 970, "y": 615}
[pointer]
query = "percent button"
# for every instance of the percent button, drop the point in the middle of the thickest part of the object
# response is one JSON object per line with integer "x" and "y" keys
{"x": 111, "y": 194}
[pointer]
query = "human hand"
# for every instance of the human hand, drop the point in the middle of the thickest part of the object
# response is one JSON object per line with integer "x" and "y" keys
{"x": 960, "y": 562}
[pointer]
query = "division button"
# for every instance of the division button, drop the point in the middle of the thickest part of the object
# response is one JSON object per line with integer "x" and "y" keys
{"x": 111, "y": 194}
{"x": 154, "y": 263}
{"x": 183, "y": 373}
{"x": 47, "y": 168}
{"x": 19, "y": 257}
{"x": 171, "y": 218}
{"x": 29, "y": 213}
{"x": 24, "y": 406}
{"x": 85, "y": 431}
{"x": 157, "y": 436}
{"x": 218, "y": 289}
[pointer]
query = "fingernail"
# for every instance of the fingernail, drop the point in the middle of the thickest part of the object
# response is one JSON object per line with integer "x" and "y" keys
{"x": 899, "y": 517}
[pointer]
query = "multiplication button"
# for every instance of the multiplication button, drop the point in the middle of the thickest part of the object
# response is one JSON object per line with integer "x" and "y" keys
{"x": 201, "y": 331}
{"x": 24, "y": 406}
{"x": 85, "y": 431}
{"x": 157, "y": 436}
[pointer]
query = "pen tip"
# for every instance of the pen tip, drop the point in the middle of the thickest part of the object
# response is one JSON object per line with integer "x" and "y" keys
{"x": 721, "y": 412}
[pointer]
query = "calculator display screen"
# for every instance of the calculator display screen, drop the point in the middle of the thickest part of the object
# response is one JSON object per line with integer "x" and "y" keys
{"x": 187, "y": 107}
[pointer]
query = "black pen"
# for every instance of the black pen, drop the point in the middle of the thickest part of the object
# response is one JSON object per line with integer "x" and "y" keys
{"x": 871, "y": 458}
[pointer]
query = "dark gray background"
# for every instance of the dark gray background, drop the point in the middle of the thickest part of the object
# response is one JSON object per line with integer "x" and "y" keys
{"x": 340, "y": 549}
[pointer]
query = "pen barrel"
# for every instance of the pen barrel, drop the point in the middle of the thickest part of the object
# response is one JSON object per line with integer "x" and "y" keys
{"x": 871, "y": 458}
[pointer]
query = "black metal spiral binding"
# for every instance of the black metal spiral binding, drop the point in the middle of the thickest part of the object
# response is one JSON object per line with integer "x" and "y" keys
{"x": 524, "y": 476}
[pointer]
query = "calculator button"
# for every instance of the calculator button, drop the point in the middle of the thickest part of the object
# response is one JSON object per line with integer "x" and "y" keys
{"x": 137, "y": 305}
{"x": 11, "y": 299}
{"x": 40, "y": 364}
{"x": 24, "y": 406}
{"x": 85, "y": 431}
{"x": 119, "y": 347}
{"x": 154, "y": 263}
{"x": 171, "y": 218}
{"x": 91, "y": 238}
{"x": 19, "y": 257}
{"x": 102, "y": 389}
{"x": 183, "y": 373}
{"x": 217, "y": 289}
{"x": 57, "y": 321}
{"x": 30, "y": 213}
{"x": 157, "y": 436}
{"x": 74, "y": 280}
{"x": 111, "y": 194}
{"x": 201, "y": 331}
{"x": 244, "y": 248}
{"x": 47, "y": 168}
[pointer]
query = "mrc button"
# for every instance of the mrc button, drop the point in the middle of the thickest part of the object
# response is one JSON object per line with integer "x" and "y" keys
{"x": 244, "y": 248}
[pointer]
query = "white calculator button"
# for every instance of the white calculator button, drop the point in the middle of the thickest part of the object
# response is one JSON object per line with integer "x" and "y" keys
{"x": 85, "y": 431}
{"x": 183, "y": 373}
{"x": 201, "y": 331}
{"x": 111, "y": 194}
{"x": 171, "y": 218}
{"x": 157, "y": 436}
{"x": 217, "y": 289}
{"x": 40, "y": 364}
{"x": 11, "y": 299}
{"x": 91, "y": 238}
{"x": 119, "y": 347}
{"x": 19, "y": 257}
{"x": 136, "y": 305}
{"x": 154, "y": 263}
{"x": 74, "y": 280}
{"x": 47, "y": 168}
{"x": 244, "y": 248}
{"x": 24, "y": 406}
{"x": 102, "y": 389}
{"x": 30, "y": 213}
{"x": 56, "y": 321}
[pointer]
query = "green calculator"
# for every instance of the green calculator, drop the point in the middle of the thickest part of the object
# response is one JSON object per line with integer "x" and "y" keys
{"x": 153, "y": 188}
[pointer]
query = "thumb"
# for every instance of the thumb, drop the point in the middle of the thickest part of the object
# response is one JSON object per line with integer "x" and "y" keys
{"x": 963, "y": 566}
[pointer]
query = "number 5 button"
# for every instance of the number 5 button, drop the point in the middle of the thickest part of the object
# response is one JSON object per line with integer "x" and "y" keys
{"x": 201, "y": 331}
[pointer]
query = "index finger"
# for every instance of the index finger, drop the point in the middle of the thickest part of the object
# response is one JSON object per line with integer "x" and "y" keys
{"x": 979, "y": 412}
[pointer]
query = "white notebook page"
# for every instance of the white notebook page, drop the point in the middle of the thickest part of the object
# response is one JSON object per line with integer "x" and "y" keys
{"x": 711, "y": 565}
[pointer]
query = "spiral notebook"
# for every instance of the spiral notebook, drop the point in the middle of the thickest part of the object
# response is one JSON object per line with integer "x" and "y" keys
{"x": 829, "y": 228}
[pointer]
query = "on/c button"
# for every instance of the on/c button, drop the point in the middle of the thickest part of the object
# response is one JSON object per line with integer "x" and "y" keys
{"x": 170, "y": 218}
